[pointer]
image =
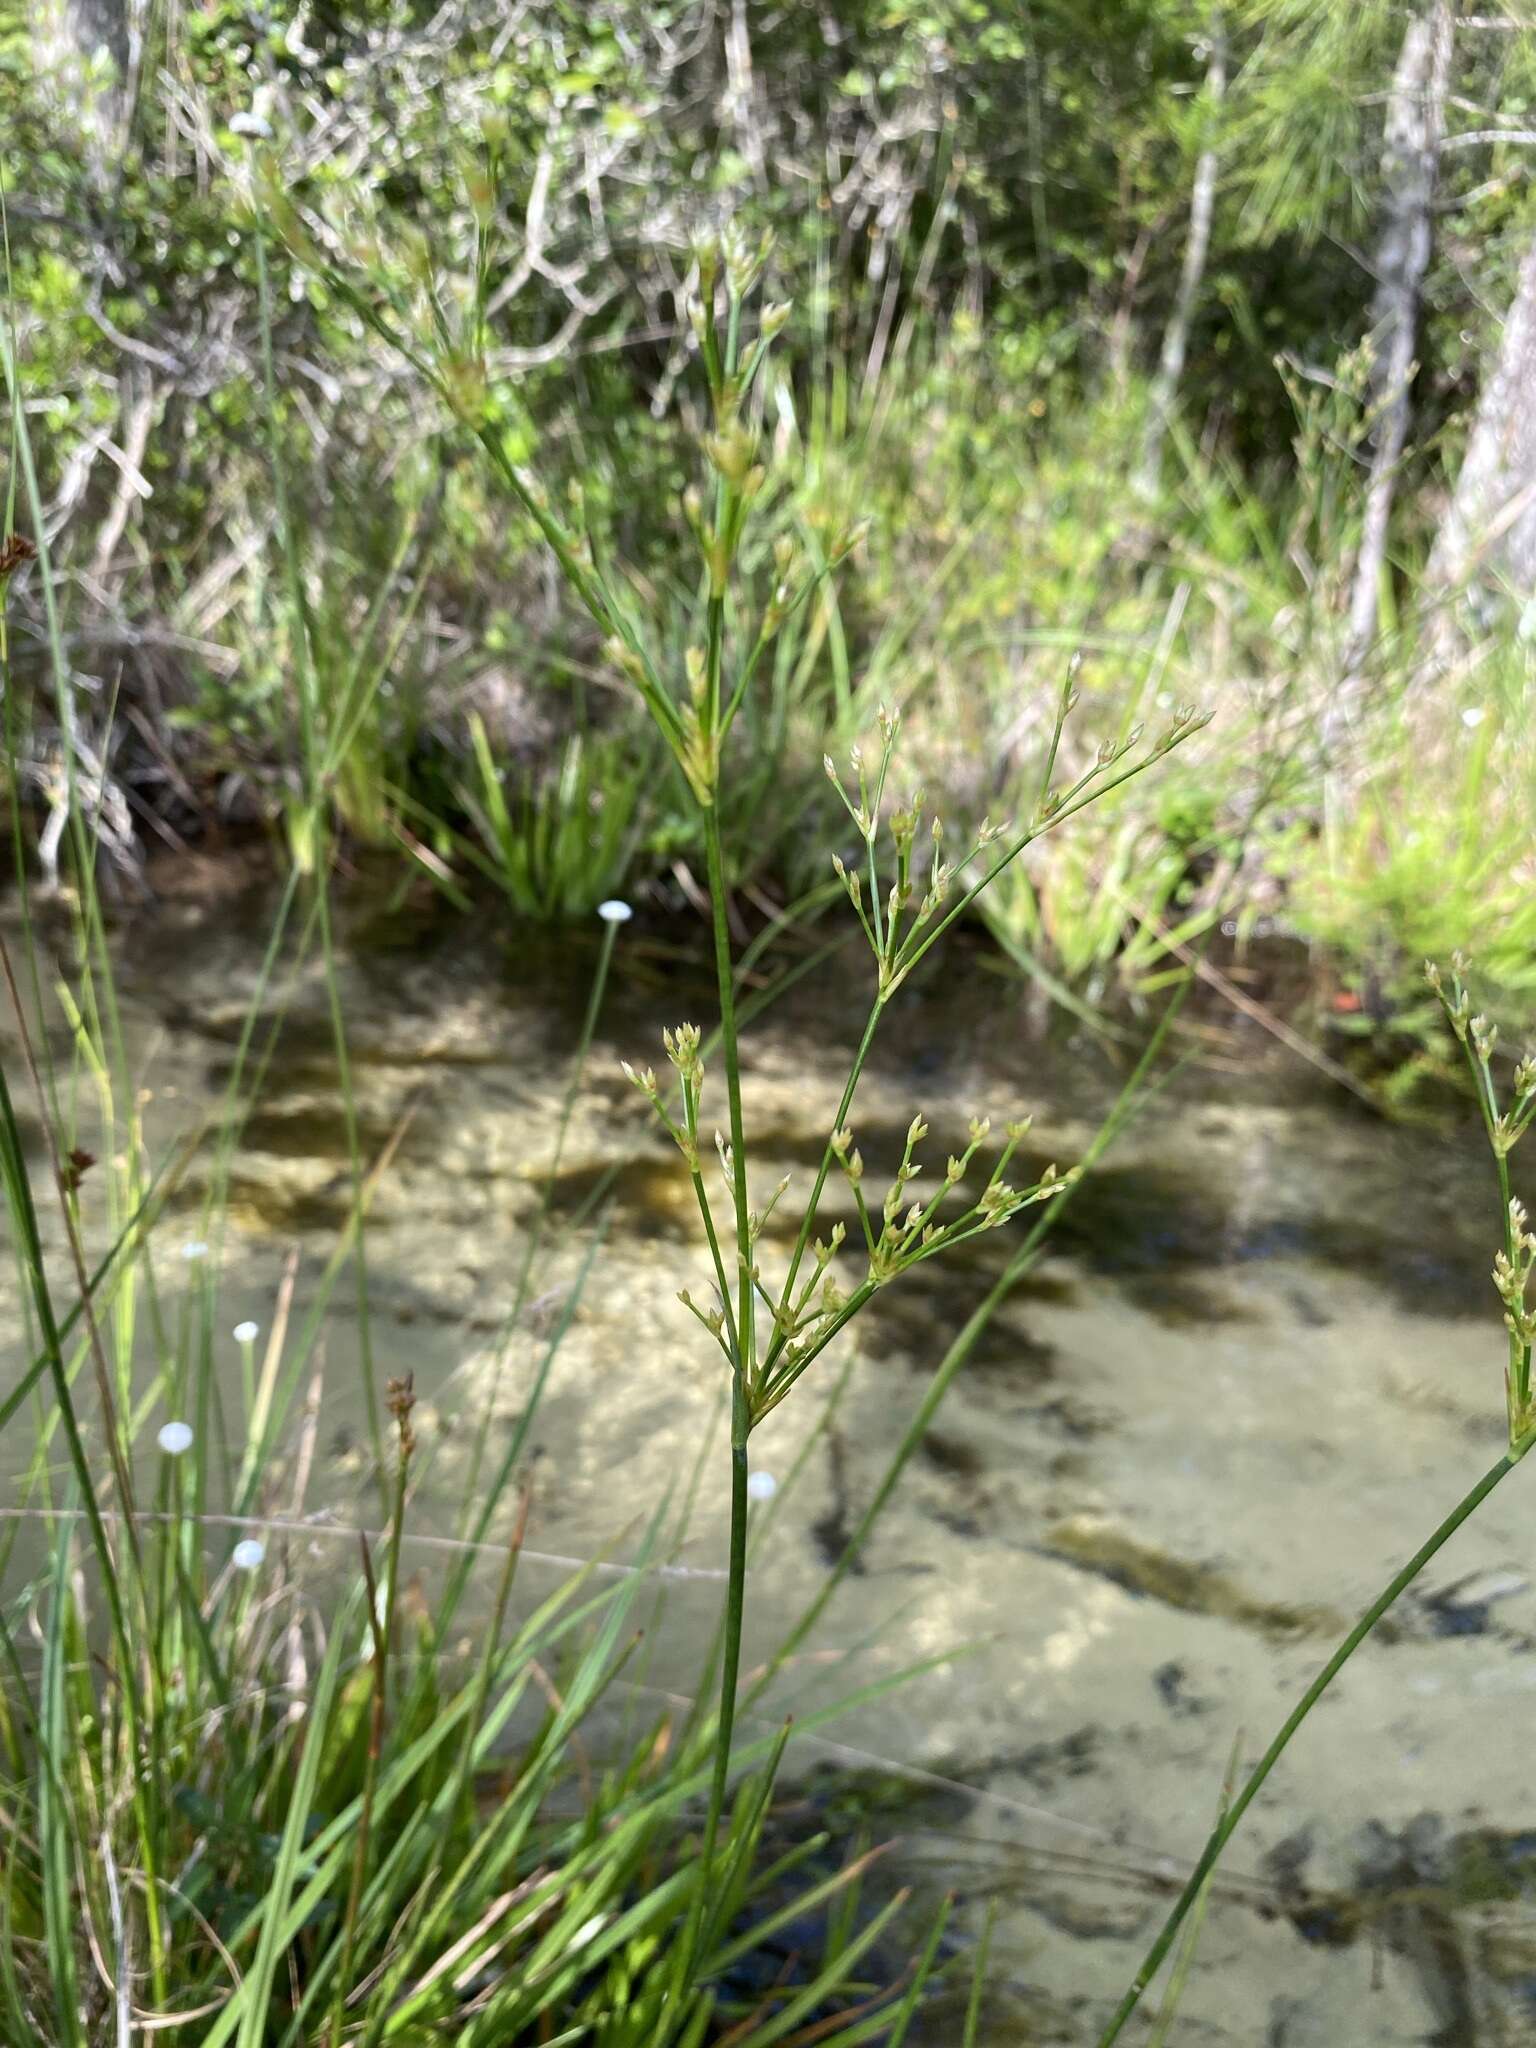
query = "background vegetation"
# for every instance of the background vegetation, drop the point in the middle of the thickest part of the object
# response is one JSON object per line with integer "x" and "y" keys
{"x": 1156, "y": 331}
{"x": 1168, "y": 355}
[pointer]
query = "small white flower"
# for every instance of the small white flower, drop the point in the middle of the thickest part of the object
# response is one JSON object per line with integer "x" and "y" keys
{"x": 248, "y": 1554}
{"x": 174, "y": 1438}
{"x": 1473, "y": 715}
{"x": 247, "y": 1333}
{"x": 614, "y": 910}
{"x": 194, "y": 1248}
{"x": 762, "y": 1486}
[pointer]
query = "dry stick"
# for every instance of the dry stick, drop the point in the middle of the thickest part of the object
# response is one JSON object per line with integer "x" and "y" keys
{"x": 1227, "y": 1826}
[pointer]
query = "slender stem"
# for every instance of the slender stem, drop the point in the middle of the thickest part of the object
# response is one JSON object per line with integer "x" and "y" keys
{"x": 712, "y": 1238}
{"x": 730, "y": 1669}
{"x": 1130, "y": 1099}
{"x": 745, "y": 1319}
{"x": 808, "y": 1221}
{"x": 741, "y": 1365}
{"x": 914, "y": 949}
{"x": 1227, "y": 1826}
{"x": 382, "y": 1633}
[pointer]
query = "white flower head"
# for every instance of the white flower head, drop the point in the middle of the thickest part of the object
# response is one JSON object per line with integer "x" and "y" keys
{"x": 255, "y": 120}
{"x": 614, "y": 910}
{"x": 174, "y": 1438}
{"x": 194, "y": 1248}
{"x": 1473, "y": 715}
{"x": 247, "y": 1333}
{"x": 248, "y": 1555}
{"x": 762, "y": 1486}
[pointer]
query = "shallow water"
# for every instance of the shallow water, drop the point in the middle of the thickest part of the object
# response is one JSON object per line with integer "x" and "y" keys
{"x": 1261, "y": 1358}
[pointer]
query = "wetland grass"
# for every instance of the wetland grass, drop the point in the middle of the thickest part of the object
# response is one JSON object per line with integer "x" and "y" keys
{"x": 269, "y": 1805}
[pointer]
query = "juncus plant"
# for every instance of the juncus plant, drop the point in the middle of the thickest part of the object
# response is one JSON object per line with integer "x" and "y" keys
{"x": 907, "y": 887}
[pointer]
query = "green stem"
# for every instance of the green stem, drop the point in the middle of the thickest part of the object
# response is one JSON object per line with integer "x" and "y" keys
{"x": 735, "y": 1611}
{"x": 808, "y": 1221}
{"x": 913, "y": 949}
{"x": 383, "y": 1636}
{"x": 736, "y": 1575}
{"x": 745, "y": 1319}
{"x": 1126, "y": 1104}
{"x": 1227, "y": 1826}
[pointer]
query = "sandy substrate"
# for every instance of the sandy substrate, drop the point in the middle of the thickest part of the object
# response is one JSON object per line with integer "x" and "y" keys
{"x": 1261, "y": 1359}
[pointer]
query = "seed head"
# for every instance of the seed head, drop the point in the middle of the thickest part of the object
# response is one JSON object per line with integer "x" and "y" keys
{"x": 625, "y": 658}
{"x": 14, "y": 550}
{"x": 850, "y": 538}
{"x": 732, "y": 454}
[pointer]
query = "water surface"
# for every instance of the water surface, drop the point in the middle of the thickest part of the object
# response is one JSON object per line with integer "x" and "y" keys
{"x": 1261, "y": 1358}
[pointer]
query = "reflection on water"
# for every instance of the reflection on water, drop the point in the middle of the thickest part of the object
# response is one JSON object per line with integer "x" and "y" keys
{"x": 1260, "y": 1359}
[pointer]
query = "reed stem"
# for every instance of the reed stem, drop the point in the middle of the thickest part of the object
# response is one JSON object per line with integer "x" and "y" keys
{"x": 1227, "y": 1826}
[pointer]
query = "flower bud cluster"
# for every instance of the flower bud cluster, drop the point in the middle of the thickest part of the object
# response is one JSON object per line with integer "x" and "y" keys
{"x": 894, "y": 915}
{"x": 1512, "y": 1276}
{"x": 909, "y": 1229}
{"x": 1514, "y": 1262}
